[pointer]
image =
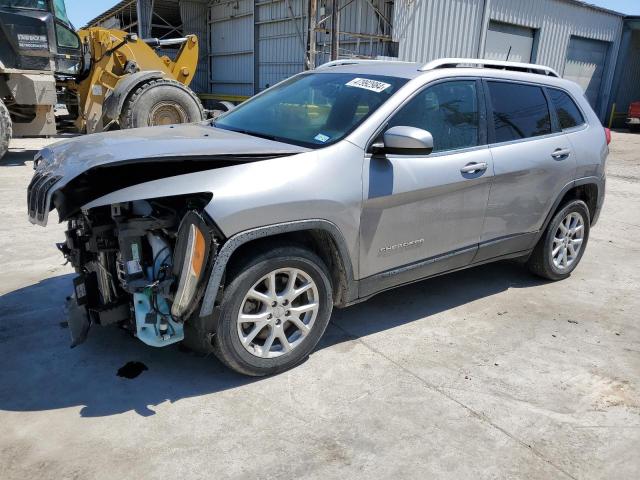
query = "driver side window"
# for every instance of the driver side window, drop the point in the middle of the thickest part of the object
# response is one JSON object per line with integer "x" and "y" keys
{"x": 448, "y": 110}
{"x": 66, "y": 38}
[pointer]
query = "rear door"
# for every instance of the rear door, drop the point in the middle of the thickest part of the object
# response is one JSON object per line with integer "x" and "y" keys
{"x": 532, "y": 159}
{"x": 419, "y": 207}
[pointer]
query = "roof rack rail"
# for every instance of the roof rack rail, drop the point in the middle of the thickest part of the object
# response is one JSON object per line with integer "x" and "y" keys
{"x": 482, "y": 63}
{"x": 355, "y": 61}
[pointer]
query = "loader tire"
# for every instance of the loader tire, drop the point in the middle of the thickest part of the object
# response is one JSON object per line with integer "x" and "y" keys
{"x": 6, "y": 129}
{"x": 161, "y": 102}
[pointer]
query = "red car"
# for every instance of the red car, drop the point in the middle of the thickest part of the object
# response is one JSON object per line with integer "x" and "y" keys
{"x": 633, "y": 117}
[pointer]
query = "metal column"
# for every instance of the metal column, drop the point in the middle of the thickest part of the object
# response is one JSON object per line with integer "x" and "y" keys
{"x": 145, "y": 12}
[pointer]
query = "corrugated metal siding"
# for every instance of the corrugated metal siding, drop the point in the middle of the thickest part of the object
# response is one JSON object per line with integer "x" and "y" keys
{"x": 359, "y": 17}
{"x": 281, "y": 36}
{"x": 194, "y": 21}
{"x": 434, "y": 29}
{"x": 556, "y": 21}
{"x": 279, "y": 30}
{"x": 629, "y": 89}
{"x": 453, "y": 28}
{"x": 231, "y": 47}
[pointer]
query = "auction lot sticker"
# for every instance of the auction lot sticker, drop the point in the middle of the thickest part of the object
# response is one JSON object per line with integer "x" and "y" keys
{"x": 367, "y": 84}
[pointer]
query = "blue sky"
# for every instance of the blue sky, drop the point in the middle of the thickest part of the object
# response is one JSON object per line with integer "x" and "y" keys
{"x": 81, "y": 11}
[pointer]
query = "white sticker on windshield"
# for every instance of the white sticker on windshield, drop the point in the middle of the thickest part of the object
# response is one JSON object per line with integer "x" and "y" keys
{"x": 367, "y": 84}
{"x": 321, "y": 137}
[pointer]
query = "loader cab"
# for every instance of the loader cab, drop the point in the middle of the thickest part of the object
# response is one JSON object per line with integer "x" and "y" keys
{"x": 69, "y": 46}
{"x": 38, "y": 35}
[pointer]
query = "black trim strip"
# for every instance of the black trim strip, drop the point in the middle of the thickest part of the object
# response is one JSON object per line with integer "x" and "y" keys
{"x": 416, "y": 271}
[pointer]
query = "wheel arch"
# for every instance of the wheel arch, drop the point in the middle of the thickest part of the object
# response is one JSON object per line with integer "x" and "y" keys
{"x": 588, "y": 189}
{"x": 587, "y": 192}
{"x": 322, "y": 236}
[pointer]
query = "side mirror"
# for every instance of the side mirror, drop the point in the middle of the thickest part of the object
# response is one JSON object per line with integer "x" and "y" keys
{"x": 403, "y": 140}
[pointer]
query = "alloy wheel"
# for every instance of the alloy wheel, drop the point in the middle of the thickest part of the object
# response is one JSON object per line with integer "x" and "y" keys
{"x": 278, "y": 312}
{"x": 567, "y": 241}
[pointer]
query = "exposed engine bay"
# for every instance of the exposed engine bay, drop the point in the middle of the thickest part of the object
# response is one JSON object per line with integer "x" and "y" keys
{"x": 141, "y": 265}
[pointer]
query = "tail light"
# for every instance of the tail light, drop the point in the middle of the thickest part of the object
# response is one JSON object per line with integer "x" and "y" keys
{"x": 190, "y": 259}
{"x": 607, "y": 134}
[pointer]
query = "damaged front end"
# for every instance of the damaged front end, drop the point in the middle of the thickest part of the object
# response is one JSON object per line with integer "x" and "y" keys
{"x": 140, "y": 265}
{"x": 139, "y": 236}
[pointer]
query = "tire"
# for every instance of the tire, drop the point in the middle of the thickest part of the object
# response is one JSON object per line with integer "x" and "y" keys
{"x": 6, "y": 129}
{"x": 543, "y": 262}
{"x": 634, "y": 128}
{"x": 256, "y": 359}
{"x": 161, "y": 102}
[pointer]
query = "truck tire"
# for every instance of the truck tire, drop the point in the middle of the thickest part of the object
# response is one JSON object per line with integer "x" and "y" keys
{"x": 6, "y": 129}
{"x": 263, "y": 330}
{"x": 161, "y": 102}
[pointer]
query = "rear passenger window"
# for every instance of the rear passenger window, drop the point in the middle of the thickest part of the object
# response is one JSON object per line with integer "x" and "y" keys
{"x": 568, "y": 112}
{"x": 448, "y": 110}
{"x": 519, "y": 111}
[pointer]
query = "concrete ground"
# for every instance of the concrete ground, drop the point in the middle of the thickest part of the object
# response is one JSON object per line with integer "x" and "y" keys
{"x": 488, "y": 373}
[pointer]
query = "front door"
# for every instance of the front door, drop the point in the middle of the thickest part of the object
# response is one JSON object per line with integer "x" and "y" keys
{"x": 427, "y": 210}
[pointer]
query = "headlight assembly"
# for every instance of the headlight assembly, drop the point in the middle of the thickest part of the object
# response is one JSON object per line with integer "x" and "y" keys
{"x": 190, "y": 260}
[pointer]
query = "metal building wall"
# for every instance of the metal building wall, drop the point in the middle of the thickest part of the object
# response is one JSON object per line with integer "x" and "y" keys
{"x": 281, "y": 35}
{"x": 194, "y": 21}
{"x": 231, "y": 47}
{"x": 278, "y": 31}
{"x": 556, "y": 21}
{"x": 366, "y": 31}
{"x": 629, "y": 86}
{"x": 432, "y": 29}
{"x": 457, "y": 28}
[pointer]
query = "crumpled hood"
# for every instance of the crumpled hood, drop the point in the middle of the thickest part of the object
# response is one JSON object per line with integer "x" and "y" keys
{"x": 71, "y": 157}
{"x": 73, "y": 172}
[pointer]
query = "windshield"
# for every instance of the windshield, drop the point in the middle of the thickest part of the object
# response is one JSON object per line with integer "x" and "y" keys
{"x": 312, "y": 110}
{"x": 37, "y": 4}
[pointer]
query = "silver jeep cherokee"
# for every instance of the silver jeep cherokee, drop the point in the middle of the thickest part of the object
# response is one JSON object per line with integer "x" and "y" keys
{"x": 240, "y": 235}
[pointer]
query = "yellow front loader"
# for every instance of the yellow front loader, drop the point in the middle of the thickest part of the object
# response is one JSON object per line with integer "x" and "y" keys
{"x": 106, "y": 79}
{"x": 128, "y": 85}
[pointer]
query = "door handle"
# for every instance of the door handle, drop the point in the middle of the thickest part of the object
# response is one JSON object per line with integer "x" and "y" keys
{"x": 561, "y": 153}
{"x": 474, "y": 167}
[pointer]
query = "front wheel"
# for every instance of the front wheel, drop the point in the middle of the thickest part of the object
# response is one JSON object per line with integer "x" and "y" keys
{"x": 274, "y": 312}
{"x": 562, "y": 245}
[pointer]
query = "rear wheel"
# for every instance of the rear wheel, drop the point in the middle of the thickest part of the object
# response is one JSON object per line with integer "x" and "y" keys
{"x": 6, "y": 129}
{"x": 161, "y": 102}
{"x": 561, "y": 247}
{"x": 274, "y": 312}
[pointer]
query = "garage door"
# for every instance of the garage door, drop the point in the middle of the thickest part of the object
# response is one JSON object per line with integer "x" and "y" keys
{"x": 509, "y": 42}
{"x": 586, "y": 61}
